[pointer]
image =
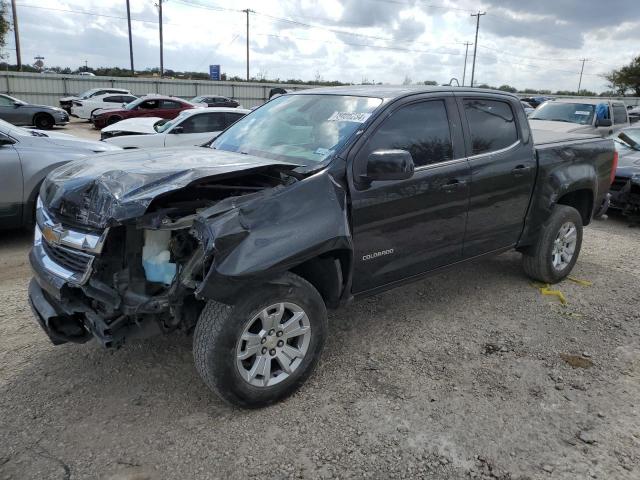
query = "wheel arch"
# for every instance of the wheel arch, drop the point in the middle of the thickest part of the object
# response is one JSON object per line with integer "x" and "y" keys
{"x": 582, "y": 200}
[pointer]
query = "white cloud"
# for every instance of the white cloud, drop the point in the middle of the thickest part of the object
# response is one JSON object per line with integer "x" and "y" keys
{"x": 525, "y": 44}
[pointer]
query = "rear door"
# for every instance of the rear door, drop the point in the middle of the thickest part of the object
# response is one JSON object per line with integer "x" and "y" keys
{"x": 407, "y": 227}
{"x": 503, "y": 170}
{"x": 170, "y": 109}
{"x": 620, "y": 119}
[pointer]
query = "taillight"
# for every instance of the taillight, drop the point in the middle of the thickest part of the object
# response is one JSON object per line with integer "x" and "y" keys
{"x": 614, "y": 167}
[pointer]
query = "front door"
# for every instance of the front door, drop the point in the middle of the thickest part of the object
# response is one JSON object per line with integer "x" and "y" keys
{"x": 407, "y": 227}
{"x": 11, "y": 186}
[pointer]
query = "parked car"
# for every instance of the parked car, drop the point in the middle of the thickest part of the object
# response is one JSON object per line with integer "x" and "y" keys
{"x": 147, "y": 106}
{"x": 310, "y": 201}
{"x": 535, "y": 102}
{"x": 109, "y": 101}
{"x": 192, "y": 127}
{"x": 634, "y": 113}
{"x": 602, "y": 117}
{"x": 19, "y": 112}
{"x": 528, "y": 109}
{"x": 86, "y": 74}
{"x": 625, "y": 189}
{"x": 27, "y": 156}
{"x": 277, "y": 91}
{"x": 214, "y": 101}
{"x": 66, "y": 102}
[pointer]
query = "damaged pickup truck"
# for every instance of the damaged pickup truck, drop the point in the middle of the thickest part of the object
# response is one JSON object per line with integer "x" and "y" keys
{"x": 312, "y": 200}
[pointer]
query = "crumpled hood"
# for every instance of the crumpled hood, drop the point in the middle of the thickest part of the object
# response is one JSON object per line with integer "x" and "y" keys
{"x": 628, "y": 163}
{"x": 111, "y": 188}
{"x": 135, "y": 125}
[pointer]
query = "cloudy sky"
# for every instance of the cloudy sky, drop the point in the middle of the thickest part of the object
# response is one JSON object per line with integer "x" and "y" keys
{"x": 535, "y": 44}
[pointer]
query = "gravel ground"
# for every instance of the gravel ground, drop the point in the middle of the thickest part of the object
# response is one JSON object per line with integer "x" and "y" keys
{"x": 457, "y": 376}
{"x": 469, "y": 374}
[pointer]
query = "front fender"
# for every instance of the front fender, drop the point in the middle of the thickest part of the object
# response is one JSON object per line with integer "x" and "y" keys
{"x": 252, "y": 239}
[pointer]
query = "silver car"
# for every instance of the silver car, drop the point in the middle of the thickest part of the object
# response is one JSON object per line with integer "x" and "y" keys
{"x": 27, "y": 156}
{"x": 18, "y": 112}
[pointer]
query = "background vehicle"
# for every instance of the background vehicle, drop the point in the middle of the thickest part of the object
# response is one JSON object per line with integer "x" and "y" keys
{"x": 147, "y": 106}
{"x": 602, "y": 117}
{"x": 109, "y": 101}
{"x": 313, "y": 199}
{"x": 213, "y": 101}
{"x": 66, "y": 102}
{"x": 18, "y": 112}
{"x": 27, "y": 156}
{"x": 625, "y": 189}
{"x": 528, "y": 108}
{"x": 192, "y": 127}
{"x": 633, "y": 113}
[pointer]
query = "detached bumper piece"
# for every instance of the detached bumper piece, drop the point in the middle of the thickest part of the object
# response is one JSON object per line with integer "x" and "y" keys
{"x": 625, "y": 196}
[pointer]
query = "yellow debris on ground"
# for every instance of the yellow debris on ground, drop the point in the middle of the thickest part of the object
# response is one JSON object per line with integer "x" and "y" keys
{"x": 545, "y": 289}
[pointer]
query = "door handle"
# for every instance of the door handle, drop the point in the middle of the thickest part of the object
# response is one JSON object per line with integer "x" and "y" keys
{"x": 452, "y": 185}
{"x": 520, "y": 170}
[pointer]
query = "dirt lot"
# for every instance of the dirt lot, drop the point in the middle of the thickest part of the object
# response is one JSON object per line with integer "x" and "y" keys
{"x": 462, "y": 375}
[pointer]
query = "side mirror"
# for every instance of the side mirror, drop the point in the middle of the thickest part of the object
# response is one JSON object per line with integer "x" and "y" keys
{"x": 6, "y": 141}
{"x": 17, "y": 104}
{"x": 385, "y": 165}
{"x": 602, "y": 122}
{"x": 178, "y": 129}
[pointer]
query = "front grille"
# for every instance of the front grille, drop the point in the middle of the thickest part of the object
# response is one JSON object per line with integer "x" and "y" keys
{"x": 618, "y": 183}
{"x": 70, "y": 259}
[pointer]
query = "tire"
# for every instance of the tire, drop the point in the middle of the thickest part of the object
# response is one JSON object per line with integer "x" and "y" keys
{"x": 217, "y": 342}
{"x": 113, "y": 119}
{"x": 43, "y": 121}
{"x": 538, "y": 261}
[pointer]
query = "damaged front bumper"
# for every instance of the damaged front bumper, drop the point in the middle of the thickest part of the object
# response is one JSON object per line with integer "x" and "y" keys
{"x": 625, "y": 195}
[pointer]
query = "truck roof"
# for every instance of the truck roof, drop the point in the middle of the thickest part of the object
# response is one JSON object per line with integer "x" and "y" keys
{"x": 391, "y": 92}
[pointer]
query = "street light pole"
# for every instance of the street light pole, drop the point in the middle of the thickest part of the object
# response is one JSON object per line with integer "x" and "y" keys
{"x": 133, "y": 72}
{"x": 16, "y": 34}
{"x": 247, "y": 11}
{"x": 160, "y": 25}
{"x": 581, "y": 70}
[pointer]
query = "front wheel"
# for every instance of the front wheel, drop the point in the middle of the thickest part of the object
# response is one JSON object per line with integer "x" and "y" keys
{"x": 44, "y": 121}
{"x": 556, "y": 251}
{"x": 262, "y": 349}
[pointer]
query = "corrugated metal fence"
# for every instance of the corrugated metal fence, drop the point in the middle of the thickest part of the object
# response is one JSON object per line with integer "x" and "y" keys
{"x": 46, "y": 89}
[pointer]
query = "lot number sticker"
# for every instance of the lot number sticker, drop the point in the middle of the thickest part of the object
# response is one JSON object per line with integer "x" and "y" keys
{"x": 349, "y": 117}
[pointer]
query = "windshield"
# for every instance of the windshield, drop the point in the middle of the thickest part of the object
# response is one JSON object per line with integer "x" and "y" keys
{"x": 197, "y": 100}
{"x": 629, "y": 138}
{"x": 164, "y": 125}
{"x": 298, "y": 128}
{"x": 580, "y": 113}
{"x": 88, "y": 93}
{"x": 135, "y": 103}
{"x": 9, "y": 129}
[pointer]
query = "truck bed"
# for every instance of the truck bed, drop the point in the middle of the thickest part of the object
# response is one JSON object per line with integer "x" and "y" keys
{"x": 542, "y": 138}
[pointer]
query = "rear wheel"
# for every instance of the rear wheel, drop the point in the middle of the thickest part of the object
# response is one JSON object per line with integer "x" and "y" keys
{"x": 43, "y": 121}
{"x": 113, "y": 119}
{"x": 262, "y": 349}
{"x": 555, "y": 253}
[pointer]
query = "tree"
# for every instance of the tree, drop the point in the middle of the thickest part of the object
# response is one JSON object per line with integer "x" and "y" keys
{"x": 430, "y": 82}
{"x": 626, "y": 78}
{"x": 5, "y": 27}
{"x": 507, "y": 88}
{"x": 407, "y": 80}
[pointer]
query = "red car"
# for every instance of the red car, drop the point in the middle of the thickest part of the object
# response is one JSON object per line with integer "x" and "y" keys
{"x": 149, "y": 106}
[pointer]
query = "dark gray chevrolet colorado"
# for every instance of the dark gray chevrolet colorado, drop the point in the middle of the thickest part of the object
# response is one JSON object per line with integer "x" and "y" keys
{"x": 313, "y": 199}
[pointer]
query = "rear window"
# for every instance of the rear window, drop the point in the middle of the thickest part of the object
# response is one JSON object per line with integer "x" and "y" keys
{"x": 491, "y": 123}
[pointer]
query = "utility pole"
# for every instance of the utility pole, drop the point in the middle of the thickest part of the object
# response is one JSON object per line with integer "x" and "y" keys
{"x": 17, "y": 35}
{"x": 466, "y": 52}
{"x": 247, "y": 11}
{"x": 86, "y": 66}
{"x": 581, "y": 70}
{"x": 475, "y": 45}
{"x": 133, "y": 72}
{"x": 160, "y": 25}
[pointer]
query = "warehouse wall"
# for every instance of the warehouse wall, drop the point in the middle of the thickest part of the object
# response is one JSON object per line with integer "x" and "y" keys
{"x": 46, "y": 89}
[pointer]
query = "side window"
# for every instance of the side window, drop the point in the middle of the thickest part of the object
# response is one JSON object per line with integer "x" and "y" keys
{"x": 149, "y": 105}
{"x": 491, "y": 123}
{"x": 98, "y": 93}
{"x": 170, "y": 104}
{"x": 203, "y": 123}
{"x": 420, "y": 128}
{"x": 232, "y": 118}
{"x": 5, "y": 102}
{"x": 114, "y": 99}
{"x": 128, "y": 99}
{"x": 619, "y": 113}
